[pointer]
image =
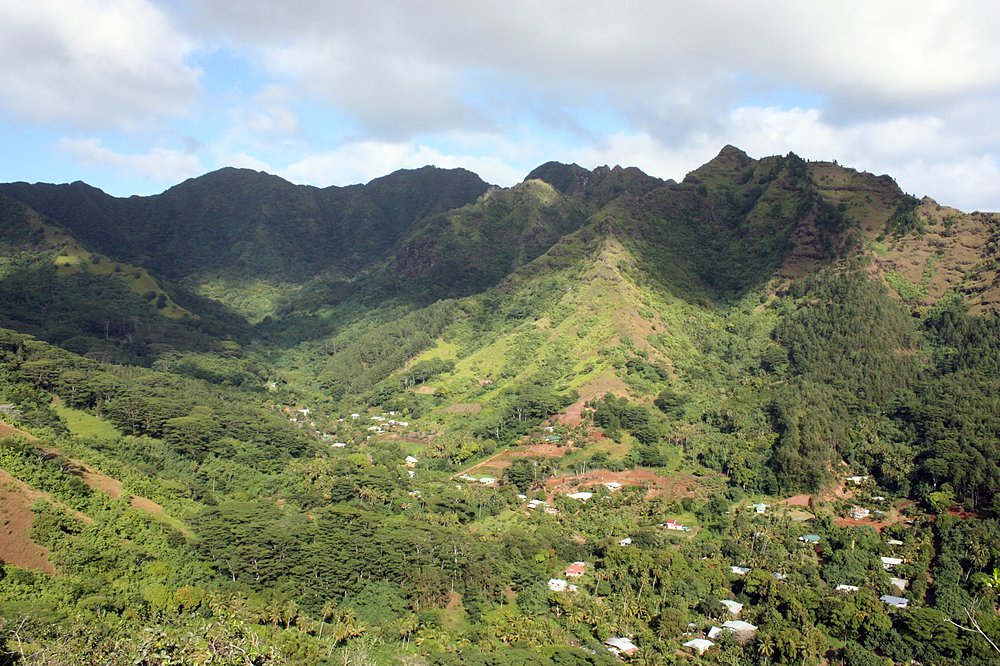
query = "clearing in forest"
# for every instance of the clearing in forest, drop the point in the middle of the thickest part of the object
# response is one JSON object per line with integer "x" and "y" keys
{"x": 674, "y": 486}
{"x": 16, "y": 517}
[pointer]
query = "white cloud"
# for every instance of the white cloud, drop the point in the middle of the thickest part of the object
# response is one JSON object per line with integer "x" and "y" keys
{"x": 269, "y": 114}
{"x": 92, "y": 63}
{"x": 361, "y": 161}
{"x": 164, "y": 165}
{"x": 337, "y": 92}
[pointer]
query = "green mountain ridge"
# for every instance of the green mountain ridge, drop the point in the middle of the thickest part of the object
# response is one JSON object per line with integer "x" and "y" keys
{"x": 289, "y": 425}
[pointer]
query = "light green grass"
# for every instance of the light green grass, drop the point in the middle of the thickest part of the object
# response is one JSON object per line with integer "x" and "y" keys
{"x": 82, "y": 424}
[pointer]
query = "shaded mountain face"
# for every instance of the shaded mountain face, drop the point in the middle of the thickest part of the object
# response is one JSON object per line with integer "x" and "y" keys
{"x": 261, "y": 247}
{"x": 241, "y": 222}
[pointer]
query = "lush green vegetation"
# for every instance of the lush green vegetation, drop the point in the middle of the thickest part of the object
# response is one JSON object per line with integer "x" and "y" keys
{"x": 377, "y": 470}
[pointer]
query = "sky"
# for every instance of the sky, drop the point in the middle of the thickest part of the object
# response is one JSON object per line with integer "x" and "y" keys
{"x": 134, "y": 96}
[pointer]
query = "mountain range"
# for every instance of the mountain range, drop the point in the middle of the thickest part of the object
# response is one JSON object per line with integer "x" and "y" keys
{"x": 287, "y": 382}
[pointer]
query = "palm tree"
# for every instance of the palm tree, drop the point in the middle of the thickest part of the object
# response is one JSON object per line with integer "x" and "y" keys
{"x": 765, "y": 648}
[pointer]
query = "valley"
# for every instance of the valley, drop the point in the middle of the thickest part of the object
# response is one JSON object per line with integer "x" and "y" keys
{"x": 251, "y": 422}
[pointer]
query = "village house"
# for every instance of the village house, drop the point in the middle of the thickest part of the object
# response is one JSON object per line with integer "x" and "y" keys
{"x": 856, "y": 480}
{"x": 734, "y": 607}
{"x": 895, "y": 602}
{"x": 560, "y": 585}
{"x": 889, "y": 562}
{"x": 411, "y": 461}
{"x": 847, "y": 588}
{"x": 761, "y": 507}
{"x": 535, "y": 503}
{"x": 582, "y": 496}
{"x": 699, "y": 645}
{"x": 742, "y": 631}
{"x": 740, "y": 628}
{"x": 899, "y": 583}
{"x": 811, "y": 539}
{"x": 575, "y": 570}
{"x": 612, "y": 486}
{"x": 621, "y": 646}
{"x": 627, "y": 541}
{"x": 487, "y": 480}
{"x": 675, "y": 526}
{"x": 739, "y": 571}
{"x": 860, "y": 512}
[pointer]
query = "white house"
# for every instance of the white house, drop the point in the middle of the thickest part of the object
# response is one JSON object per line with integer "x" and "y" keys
{"x": 699, "y": 645}
{"x": 860, "y": 513}
{"x": 895, "y": 602}
{"x": 621, "y": 646}
{"x": 560, "y": 585}
{"x": 734, "y": 607}
{"x": 889, "y": 562}
{"x": 846, "y": 588}
{"x": 582, "y": 496}
{"x": 740, "y": 627}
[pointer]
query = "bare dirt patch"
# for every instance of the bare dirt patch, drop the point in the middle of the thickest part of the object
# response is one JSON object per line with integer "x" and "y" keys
{"x": 495, "y": 464}
{"x": 463, "y": 408}
{"x": 7, "y": 430}
{"x": 674, "y": 486}
{"x": 798, "y": 500}
{"x": 110, "y": 486}
{"x": 593, "y": 390}
{"x": 16, "y": 518}
{"x": 143, "y": 504}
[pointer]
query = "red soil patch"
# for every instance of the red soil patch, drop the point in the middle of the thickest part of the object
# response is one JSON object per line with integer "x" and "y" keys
{"x": 798, "y": 500}
{"x": 498, "y": 462}
{"x": 16, "y": 545}
{"x": 110, "y": 486}
{"x": 674, "y": 486}
{"x": 7, "y": 430}
{"x": 879, "y": 525}
{"x": 593, "y": 390}
{"x": 94, "y": 478}
{"x": 143, "y": 504}
{"x": 959, "y": 513}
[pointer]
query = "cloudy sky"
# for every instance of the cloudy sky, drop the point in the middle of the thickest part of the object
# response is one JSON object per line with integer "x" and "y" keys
{"x": 136, "y": 95}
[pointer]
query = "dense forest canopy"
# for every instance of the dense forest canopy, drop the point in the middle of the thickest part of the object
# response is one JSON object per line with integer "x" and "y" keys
{"x": 748, "y": 418}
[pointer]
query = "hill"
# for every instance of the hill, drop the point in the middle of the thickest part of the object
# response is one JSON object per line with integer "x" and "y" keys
{"x": 254, "y": 422}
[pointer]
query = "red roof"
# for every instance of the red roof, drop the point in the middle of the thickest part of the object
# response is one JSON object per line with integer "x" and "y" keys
{"x": 576, "y": 569}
